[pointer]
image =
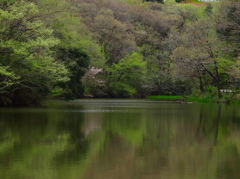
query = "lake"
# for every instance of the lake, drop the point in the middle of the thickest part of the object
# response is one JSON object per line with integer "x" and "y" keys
{"x": 120, "y": 139}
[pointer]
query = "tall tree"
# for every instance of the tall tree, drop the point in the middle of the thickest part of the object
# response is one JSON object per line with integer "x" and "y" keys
{"x": 76, "y": 48}
{"x": 199, "y": 52}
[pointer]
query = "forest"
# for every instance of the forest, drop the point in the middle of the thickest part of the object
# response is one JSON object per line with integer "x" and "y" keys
{"x": 69, "y": 49}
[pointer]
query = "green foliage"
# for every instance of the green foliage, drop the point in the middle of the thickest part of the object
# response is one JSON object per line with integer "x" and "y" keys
{"x": 76, "y": 49}
{"x": 200, "y": 99}
{"x": 166, "y": 97}
{"x": 211, "y": 96}
{"x": 77, "y": 62}
{"x": 203, "y": 56}
{"x": 116, "y": 39}
{"x": 50, "y": 47}
{"x": 126, "y": 76}
{"x": 236, "y": 101}
{"x": 228, "y": 29}
{"x": 75, "y": 35}
{"x": 26, "y": 53}
{"x": 212, "y": 91}
{"x": 56, "y": 91}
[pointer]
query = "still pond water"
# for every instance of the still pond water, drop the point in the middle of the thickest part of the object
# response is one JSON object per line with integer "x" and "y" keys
{"x": 120, "y": 139}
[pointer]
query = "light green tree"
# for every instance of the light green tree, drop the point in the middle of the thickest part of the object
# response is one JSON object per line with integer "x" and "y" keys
{"x": 125, "y": 77}
{"x": 27, "y": 64}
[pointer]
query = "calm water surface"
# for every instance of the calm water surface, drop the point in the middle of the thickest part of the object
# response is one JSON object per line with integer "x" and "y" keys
{"x": 120, "y": 139}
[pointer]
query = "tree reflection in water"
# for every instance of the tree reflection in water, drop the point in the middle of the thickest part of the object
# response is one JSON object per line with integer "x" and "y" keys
{"x": 148, "y": 140}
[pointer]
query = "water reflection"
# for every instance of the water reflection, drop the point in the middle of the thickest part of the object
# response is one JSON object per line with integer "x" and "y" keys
{"x": 98, "y": 139}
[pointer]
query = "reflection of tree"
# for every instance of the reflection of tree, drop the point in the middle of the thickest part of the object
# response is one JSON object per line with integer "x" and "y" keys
{"x": 21, "y": 132}
{"x": 31, "y": 140}
{"x": 228, "y": 163}
{"x": 77, "y": 145}
{"x": 222, "y": 151}
{"x": 209, "y": 125}
{"x": 130, "y": 127}
{"x": 178, "y": 141}
{"x": 217, "y": 124}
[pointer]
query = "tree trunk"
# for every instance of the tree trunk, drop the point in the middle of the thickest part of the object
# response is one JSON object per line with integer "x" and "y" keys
{"x": 217, "y": 80}
{"x": 201, "y": 86}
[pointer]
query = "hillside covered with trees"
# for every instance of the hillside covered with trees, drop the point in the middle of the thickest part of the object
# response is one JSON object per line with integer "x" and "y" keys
{"x": 68, "y": 49}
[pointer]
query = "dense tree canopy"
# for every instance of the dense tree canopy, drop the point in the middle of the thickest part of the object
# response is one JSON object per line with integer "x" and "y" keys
{"x": 28, "y": 68}
{"x": 50, "y": 48}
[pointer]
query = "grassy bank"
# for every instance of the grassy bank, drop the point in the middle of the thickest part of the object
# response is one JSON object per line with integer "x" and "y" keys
{"x": 195, "y": 99}
{"x": 235, "y": 101}
{"x": 200, "y": 100}
{"x": 166, "y": 97}
{"x": 185, "y": 99}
